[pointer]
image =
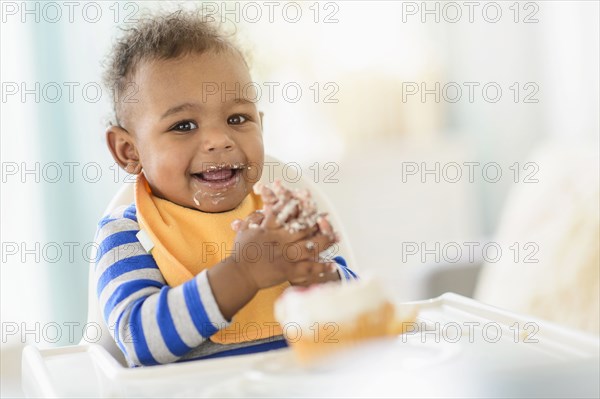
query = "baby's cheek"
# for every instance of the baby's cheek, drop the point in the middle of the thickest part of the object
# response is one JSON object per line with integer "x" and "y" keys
{"x": 252, "y": 173}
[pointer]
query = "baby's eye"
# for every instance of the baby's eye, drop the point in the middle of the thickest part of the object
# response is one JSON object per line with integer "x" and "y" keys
{"x": 184, "y": 126}
{"x": 236, "y": 119}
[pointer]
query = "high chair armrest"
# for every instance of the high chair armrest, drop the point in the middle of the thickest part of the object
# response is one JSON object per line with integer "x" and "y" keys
{"x": 438, "y": 278}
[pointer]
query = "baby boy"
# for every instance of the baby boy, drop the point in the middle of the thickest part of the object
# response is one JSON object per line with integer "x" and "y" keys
{"x": 197, "y": 154}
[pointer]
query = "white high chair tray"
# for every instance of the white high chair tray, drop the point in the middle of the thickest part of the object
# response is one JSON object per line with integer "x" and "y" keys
{"x": 460, "y": 348}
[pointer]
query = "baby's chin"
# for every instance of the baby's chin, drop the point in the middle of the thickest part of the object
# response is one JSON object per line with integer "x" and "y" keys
{"x": 211, "y": 202}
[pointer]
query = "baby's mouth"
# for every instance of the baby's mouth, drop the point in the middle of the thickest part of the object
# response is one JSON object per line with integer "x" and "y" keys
{"x": 216, "y": 175}
{"x": 219, "y": 176}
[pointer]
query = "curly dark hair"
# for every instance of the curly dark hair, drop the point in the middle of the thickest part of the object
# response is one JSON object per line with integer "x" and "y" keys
{"x": 161, "y": 37}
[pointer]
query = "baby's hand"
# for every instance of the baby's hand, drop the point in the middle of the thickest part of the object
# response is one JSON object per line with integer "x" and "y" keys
{"x": 316, "y": 275}
{"x": 270, "y": 255}
{"x": 295, "y": 210}
{"x": 300, "y": 234}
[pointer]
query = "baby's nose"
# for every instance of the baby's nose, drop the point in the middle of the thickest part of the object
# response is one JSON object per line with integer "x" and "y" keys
{"x": 216, "y": 140}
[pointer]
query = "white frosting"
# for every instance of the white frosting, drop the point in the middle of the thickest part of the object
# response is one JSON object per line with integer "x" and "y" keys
{"x": 331, "y": 302}
{"x": 292, "y": 202}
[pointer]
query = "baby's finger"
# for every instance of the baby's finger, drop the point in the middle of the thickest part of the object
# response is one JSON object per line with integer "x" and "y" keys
{"x": 270, "y": 219}
{"x": 244, "y": 225}
{"x": 255, "y": 218}
{"x": 303, "y": 234}
{"x": 322, "y": 273}
{"x": 300, "y": 272}
{"x": 307, "y": 273}
{"x": 281, "y": 211}
{"x": 311, "y": 248}
{"x": 236, "y": 225}
{"x": 283, "y": 198}
{"x": 282, "y": 191}
{"x": 288, "y": 211}
{"x": 268, "y": 196}
{"x": 325, "y": 225}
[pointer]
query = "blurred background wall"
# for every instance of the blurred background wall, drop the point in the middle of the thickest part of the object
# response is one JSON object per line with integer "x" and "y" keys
{"x": 404, "y": 112}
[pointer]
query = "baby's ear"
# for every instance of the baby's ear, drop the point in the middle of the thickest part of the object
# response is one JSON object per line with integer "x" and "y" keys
{"x": 122, "y": 147}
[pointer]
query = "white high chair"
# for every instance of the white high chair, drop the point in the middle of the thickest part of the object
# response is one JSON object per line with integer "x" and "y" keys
{"x": 38, "y": 378}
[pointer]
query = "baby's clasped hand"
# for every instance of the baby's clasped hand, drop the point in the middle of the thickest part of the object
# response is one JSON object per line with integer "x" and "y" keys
{"x": 283, "y": 241}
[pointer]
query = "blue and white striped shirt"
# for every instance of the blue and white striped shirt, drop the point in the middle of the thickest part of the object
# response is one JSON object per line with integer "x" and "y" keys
{"x": 150, "y": 321}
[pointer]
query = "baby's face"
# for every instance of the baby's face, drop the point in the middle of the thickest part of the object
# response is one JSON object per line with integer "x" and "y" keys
{"x": 197, "y": 133}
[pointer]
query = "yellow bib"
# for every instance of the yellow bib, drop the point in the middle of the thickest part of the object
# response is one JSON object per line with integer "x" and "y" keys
{"x": 187, "y": 241}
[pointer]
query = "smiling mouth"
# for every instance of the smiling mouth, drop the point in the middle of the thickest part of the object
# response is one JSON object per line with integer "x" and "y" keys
{"x": 219, "y": 173}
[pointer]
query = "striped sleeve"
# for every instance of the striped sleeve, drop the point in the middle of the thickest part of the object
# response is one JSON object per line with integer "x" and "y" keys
{"x": 151, "y": 322}
{"x": 345, "y": 273}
